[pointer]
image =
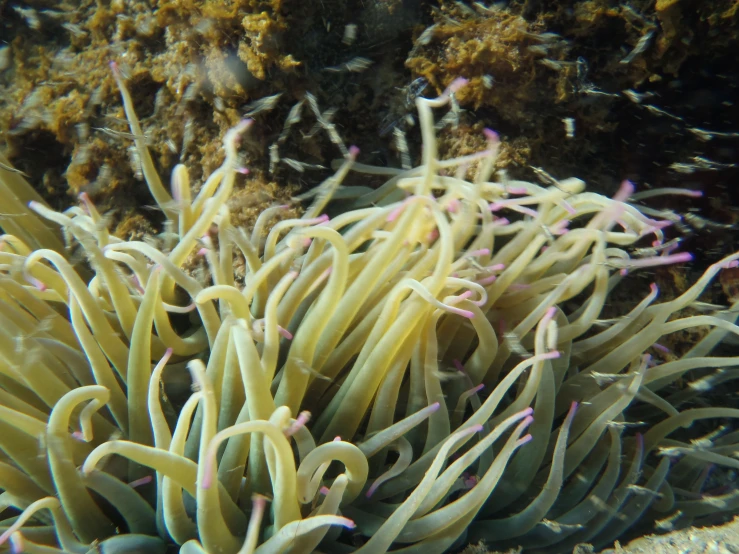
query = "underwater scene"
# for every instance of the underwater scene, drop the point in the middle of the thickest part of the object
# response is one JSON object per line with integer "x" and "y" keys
{"x": 335, "y": 276}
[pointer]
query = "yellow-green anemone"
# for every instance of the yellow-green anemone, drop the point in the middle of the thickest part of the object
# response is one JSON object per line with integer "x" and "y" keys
{"x": 413, "y": 373}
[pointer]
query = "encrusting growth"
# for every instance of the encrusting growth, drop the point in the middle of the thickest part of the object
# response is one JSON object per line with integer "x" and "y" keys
{"x": 424, "y": 368}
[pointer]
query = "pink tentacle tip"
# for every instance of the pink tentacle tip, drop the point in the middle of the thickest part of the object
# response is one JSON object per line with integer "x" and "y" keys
{"x": 300, "y": 422}
{"x": 36, "y": 283}
{"x": 337, "y": 438}
{"x": 527, "y": 412}
{"x": 209, "y": 469}
{"x": 78, "y": 436}
{"x": 353, "y": 152}
{"x": 243, "y": 170}
{"x": 496, "y": 206}
{"x": 470, "y": 481}
{"x": 730, "y": 265}
{"x": 348, "y": 523}
{"x": 453, "y": 205}
{"x": 569, "y": 208}
{"x": 139, "y": 482}
{"x": 285, "y": 333}
{"x": 40, "y": 286}
{"x": 34, "y": 205}
{"x": 434, "y": 407}
{"x": 661, "y": 348}
{"x": 560, "y": 228}
{"x": 625, "y": 190}
{"x": 526, "y": 211}
{"x": 525, "y": 439}
{"x": 458, "y": 365}
{"x": 372, "y": 490}
{"x": 680, "y": 257}
{"x": 489, "y": 280}
{"x": 528, "y": 420}
{"x": 457, "y": 84}
{"x": 654, "y": 288}
{"x": 202, "y": 252}
{"x": 325, "y": 490}
{"x": 479, "y": 252}
{"x": 465, "y": 313}
{"x": 491, "y": 135}
{"x": 671, "y": 248}
{"x": 393, "y": 215}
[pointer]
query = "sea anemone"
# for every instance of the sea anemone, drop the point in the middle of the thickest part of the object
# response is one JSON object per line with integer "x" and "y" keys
{"x": 411, "y": 374}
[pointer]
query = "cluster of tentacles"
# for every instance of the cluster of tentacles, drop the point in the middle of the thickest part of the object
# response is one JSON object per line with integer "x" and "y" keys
{"x": 425, "y": 368}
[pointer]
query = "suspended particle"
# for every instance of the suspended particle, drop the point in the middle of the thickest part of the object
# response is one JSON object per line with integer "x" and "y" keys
{"x": 569, "y": 124}
{"x": 350, "y": 34}
{"x": 262, "y": 105}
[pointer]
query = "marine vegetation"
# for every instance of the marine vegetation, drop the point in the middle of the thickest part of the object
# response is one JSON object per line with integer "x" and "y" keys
{"x": 428, "y": 367}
